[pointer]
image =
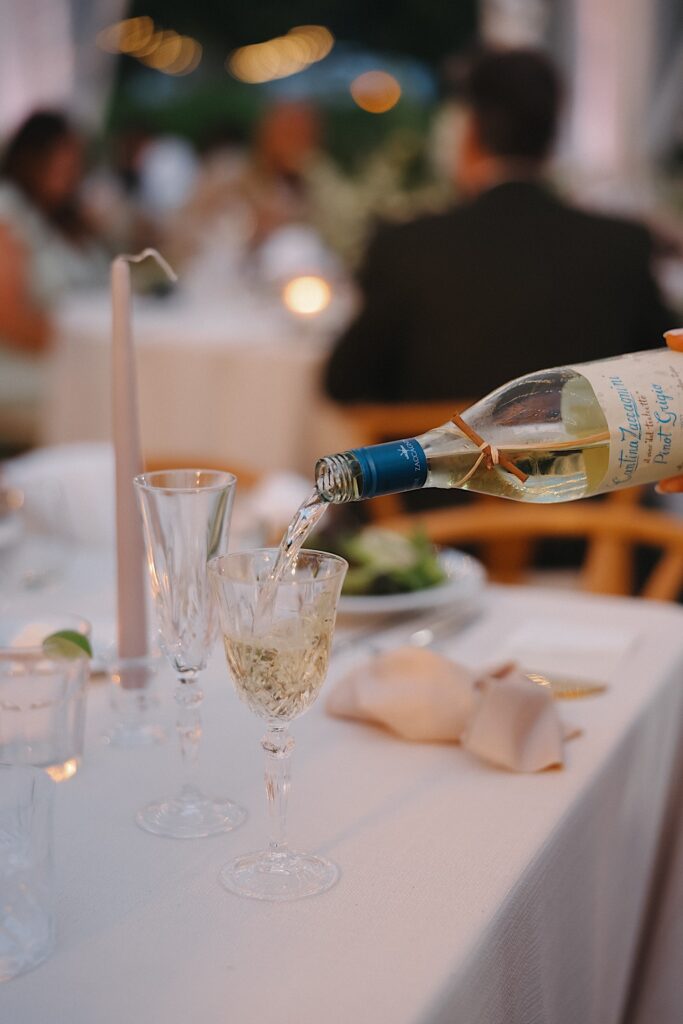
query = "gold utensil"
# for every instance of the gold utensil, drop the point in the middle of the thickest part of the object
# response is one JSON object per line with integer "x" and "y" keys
{"x": 565, "y": 688}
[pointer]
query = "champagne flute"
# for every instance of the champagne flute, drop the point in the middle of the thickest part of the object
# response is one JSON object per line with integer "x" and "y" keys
{"x": 278, "y": 634}
{"x": 186, "y": 517}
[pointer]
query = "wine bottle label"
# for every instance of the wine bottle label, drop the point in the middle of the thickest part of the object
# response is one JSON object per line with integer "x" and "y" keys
{"x": 641, "y": 396}
{"x": 390, "y": 468}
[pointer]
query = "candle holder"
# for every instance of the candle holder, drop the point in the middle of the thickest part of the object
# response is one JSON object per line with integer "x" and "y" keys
{"x": 134, "y": 701}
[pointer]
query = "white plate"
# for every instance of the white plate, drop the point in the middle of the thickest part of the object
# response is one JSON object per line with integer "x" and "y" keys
{"x": 465, "y": 579}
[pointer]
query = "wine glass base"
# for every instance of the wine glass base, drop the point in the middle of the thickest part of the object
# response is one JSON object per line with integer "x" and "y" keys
{"x": 279, "y": 876}
{"x": 195, "y": 818}
{"x": 26, "y": 958}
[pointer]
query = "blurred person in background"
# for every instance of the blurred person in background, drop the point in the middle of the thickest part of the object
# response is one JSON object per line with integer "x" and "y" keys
{"x": 224, "y": 161}
{"x": 112, "y": 191}
{"x": 287, "y": 142}
{"x": 215, "y": 215}
{"x": 511, "y": 280}
{"x": 46, "y": 243}
{"x": 46, "y": 248}
{"x": 242, "y": 196}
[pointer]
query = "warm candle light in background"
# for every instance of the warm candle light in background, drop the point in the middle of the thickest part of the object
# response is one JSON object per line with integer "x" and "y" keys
{"x": 307, "y": 296}
{"x": 130, "y": 552}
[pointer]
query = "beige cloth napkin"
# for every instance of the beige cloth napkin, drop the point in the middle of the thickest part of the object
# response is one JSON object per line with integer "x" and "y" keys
{"x": 500, "y": 716}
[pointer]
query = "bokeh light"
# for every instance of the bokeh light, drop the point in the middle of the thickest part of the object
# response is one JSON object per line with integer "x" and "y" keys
{"x": 376, "y": 91}
{"x": 317, "y": 39}
{"x": 131, "y": 36}
{"x": 149, "y": 47}
{"x": 189, "y": 58}
{"x": 64, "y": 771}
{"x": 163, "y": 49}
{"x": 307, "y": 296}
{"x": 282, "y": 56}
{"x": 165, "y": 52}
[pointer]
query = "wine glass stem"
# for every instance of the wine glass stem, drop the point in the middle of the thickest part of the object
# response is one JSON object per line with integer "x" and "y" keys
{"x": 278, "y": 746}
{"x": 189, "y": 697}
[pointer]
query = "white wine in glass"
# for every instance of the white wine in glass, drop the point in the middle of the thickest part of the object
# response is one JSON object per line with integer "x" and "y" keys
{"x": 278, "y": 651}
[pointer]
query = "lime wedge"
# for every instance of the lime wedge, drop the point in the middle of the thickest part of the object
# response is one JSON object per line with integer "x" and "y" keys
{"x": 67, "y": 643}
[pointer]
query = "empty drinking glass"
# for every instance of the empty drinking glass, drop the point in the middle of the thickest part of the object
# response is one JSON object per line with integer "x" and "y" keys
{"x": 27, "y": 927}
{"x": 186, "y": 518}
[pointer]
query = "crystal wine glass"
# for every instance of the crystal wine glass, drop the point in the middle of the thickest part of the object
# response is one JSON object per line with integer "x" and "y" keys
{"x": 278, "y": 635}
{"x": 186, "y": 518}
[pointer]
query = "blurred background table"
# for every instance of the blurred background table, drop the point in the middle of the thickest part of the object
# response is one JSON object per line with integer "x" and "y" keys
{"x": 467, "y": 893}
{"x": 224, "y": 383}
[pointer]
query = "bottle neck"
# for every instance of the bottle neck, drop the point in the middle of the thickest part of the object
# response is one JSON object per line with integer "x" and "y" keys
{"x": 369, "y": 472}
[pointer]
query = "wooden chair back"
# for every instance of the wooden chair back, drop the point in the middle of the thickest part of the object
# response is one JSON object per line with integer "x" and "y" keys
{"x": 614, "y": 529}
{"x": 373, "y": 424}
{"x": 247, "y": 477}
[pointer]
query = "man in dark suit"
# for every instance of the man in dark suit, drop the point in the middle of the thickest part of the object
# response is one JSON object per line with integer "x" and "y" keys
{"x": 510, "y": 281}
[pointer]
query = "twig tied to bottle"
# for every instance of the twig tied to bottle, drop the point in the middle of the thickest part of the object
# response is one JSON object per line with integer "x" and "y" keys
{"x": 490, "y": 455}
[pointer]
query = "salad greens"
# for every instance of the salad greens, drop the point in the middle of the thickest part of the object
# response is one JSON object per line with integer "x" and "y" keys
{"x": 384, "y": 562}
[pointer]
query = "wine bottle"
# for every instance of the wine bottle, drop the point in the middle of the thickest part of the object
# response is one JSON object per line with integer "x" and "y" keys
{"x": 555, "y": 435}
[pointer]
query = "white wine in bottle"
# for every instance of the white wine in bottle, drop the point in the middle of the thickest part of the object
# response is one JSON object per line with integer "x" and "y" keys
{"x": 556, "y": 435}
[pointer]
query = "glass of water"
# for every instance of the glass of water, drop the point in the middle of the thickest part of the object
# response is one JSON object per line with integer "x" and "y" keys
{"x": 42, "y": 710}
{"x": 27, "y": 924}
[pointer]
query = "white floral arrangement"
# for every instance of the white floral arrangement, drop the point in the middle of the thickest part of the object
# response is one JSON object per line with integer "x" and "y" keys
{"x": 345, "y": 207}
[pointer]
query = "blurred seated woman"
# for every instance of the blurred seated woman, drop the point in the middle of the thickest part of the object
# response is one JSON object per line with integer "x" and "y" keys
{"x": 46, "y": 249}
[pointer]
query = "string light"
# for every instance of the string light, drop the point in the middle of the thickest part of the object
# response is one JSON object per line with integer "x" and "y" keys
{"x": 128, "y": 36}
{"x": 153, "y": 43}
{"x": 161, "y": 49}
{"x": 166, "y": 52}
{"x": 316, "y": 38}
{"x": 282, "y": 56}
{"x": 189, "y": 58}
{"x": 376, "y": 91}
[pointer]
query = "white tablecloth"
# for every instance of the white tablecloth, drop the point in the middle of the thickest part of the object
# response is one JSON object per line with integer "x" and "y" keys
{"x": 234, "y": 384}
{"x": 468, "y": 895}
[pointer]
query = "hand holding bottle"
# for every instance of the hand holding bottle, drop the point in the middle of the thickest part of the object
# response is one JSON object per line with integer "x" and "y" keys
{"x": 673, "y": 484}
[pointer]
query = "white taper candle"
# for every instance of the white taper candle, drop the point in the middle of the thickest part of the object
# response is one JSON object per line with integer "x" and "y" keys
{"x": 130, "y": 552}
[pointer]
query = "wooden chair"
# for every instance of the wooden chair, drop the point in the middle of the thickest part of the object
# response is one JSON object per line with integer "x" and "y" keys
{"x": 247, "y": 477}
{"x": 613, "y": 528}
